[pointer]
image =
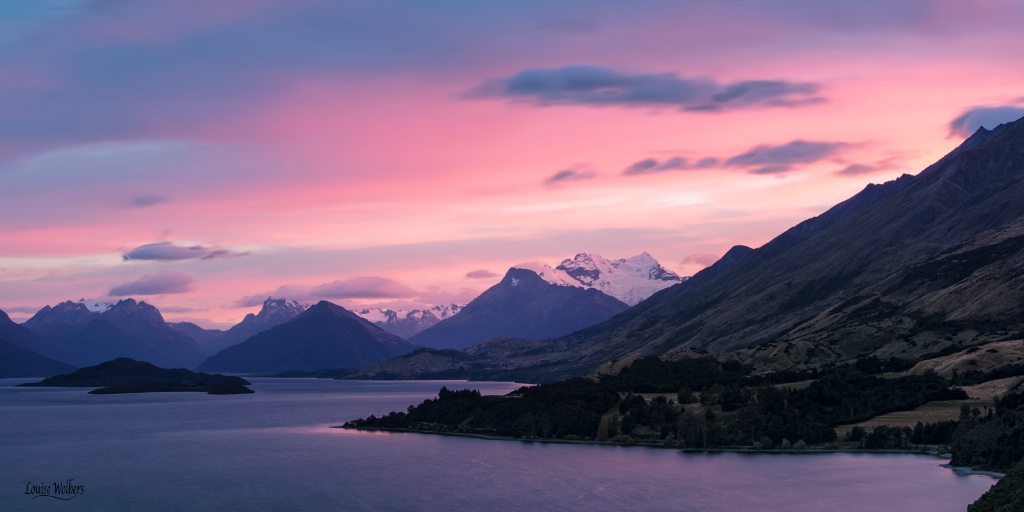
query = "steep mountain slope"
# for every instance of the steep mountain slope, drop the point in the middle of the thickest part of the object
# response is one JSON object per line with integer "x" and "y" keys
{"x": 630, "y": 280}
{"x": 904, "y": 268}
{"x": 127, "y": 329}
{"x": 18, "y": 354}
{"x": 274, "y": 312}
{"x": 918, "y": 265}
{"x": 406, "y": 324}
{"x": 324, "y": 336}
{"x": 24, "y": 337}
{"x": 521, "y": 305}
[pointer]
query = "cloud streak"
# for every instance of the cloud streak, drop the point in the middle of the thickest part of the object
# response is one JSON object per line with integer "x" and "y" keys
{"x": 766, "y": 159}
{"x": 163, "y": 282}
{"x": 480, "y": 274}
{"x": 363, "y": 287}
{"x": 601, "y": 86}
{"x": 168, "y": 251}
{"x": 567, "y": 175}
{"x": 677, "y": 163}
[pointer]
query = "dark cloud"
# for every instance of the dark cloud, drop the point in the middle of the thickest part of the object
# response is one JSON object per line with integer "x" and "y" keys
{"x": 780, "y": 159}
{"x": 570, "y": 175}
{"x": 480, "y": 274}
{"x": 989, "y": 117}
{"x": 168, "y": 251}
{"x": 676, "y": 163}
{"x": 165, "y": 281}
{"x": 600, "y": 86}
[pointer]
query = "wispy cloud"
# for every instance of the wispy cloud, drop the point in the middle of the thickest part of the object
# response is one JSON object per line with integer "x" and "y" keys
{"x": 766, "y": 159}
{"x": 163, "y": 282}
{"x": 700, "y": 258}
{"x": 168, "y": 251}
{"x": 565, "y": 175}
{"x": 677, "y": 163}
{"x": 989, "y": 117}
{"x": 601, "y": 86}
{"x": 480, "y": 274}
{"x": 859, "y": 169}
{"x": 142, "y": 201}
{"x": 363, "y": 287}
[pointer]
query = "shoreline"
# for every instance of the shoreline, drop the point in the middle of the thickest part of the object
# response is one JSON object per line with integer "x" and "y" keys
{"x": 748, "y": 450}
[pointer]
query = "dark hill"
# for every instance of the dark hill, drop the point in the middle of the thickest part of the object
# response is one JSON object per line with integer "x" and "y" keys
{"x": 324, "y": 336}
{"x": 525, "y": 306}
{"x": 124, "y": 375}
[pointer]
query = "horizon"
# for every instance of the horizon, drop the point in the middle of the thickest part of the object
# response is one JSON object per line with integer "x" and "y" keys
{"x": 406, "y": 155}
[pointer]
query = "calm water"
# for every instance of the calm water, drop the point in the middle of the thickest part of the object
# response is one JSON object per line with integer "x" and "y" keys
{"x": 274, "y": 450}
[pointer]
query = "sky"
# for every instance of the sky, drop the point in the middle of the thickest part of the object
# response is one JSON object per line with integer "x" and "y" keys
{"x": 204, "y": 156}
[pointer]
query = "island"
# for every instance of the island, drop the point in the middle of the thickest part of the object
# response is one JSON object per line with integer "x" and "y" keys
{"x": 125, "y": 375}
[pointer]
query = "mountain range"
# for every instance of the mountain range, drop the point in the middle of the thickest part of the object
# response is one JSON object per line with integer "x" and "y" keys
{"x": 919, "y": 265}
{"x": 81, "y": 337}
{"x": 408, "y": 323}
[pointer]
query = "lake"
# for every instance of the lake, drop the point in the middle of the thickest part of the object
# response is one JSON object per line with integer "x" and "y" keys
{"x": 274, "y": 450}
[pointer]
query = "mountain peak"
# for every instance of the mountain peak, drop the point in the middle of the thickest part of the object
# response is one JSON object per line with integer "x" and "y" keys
{"x": 630, "y": 280}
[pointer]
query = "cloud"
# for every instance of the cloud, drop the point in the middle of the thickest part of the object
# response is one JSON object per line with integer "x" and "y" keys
{"x": 364, "y": 287}
{"x": 168, "y": 251}
{"x": 700, "y": 258}
{"x": 600, "y": 86}
{"x": 676, "y": 163}
{"x": 570, "y": 175}
{"x": 480, "y": 274}
{"x": 859, "y": 169}
{"x": 143, "y": 201}
{"x": 165, "y": 281}
{"x": 781, "y": 159}
{"x": 989, "y": 117}
{"x": 370, "y": 287}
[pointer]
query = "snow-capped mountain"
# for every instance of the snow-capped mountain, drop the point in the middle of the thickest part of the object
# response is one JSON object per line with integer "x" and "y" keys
{"x": 630, "y": 280}
{"x": 273, "y": 313}
{"x": 408, "y": 323}
{"x": 522, "y": 305}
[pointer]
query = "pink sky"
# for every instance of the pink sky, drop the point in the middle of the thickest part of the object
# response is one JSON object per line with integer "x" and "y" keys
{"x": 203, "y": 157}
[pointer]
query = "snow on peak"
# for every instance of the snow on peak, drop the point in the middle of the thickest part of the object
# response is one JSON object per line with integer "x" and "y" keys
{"x": 630, "y": 280}
{"x": 440, "y": 312}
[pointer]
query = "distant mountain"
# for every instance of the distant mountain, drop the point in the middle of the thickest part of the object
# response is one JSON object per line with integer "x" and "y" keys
{"x": 126, "y": 329}
{"x": 324, "y": 336}
{"x": 630, "y": 280}
{"x": 23, "y": 337}
{"x": 522, "y": 305}
{"x": 204, "y": 337}
{"x": 408, "y": 323}
{"x": 17, "y": 357}
{"x": 273, "y": 313}
{"x": 18, "y": 361}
